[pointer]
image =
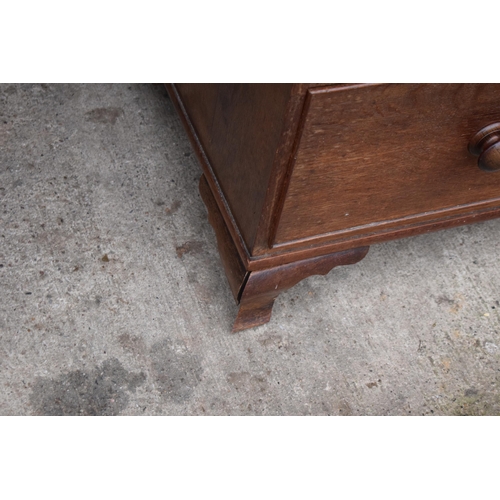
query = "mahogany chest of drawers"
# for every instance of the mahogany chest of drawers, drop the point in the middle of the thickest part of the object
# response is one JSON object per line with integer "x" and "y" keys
{"x": 300, "y": 178}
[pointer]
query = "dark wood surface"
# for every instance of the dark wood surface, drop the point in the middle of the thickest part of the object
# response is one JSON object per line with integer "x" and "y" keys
{"x": 263, "y": 255}
{"x": 300, "y": 172}
{"x": 211, "y": 179}
{"x": 256, "y": 291}
{"x": 385, "y": 154}
{"x": 262, "y": 287}
{"x": 240, "y": 127}
{"x": 486, "y": 145}
{"x": 236, "y": 272}
{"x": 279, "y": 177}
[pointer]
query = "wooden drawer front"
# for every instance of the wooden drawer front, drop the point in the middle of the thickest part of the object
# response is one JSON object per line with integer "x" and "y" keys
{"x": 379, "y": 156}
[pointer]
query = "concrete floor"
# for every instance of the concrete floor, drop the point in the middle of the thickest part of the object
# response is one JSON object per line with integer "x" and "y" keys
{"x": 113, "y": 298}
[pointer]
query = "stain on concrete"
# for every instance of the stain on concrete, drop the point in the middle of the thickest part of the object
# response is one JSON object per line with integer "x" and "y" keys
{"x": 10, "y": 90}
{"x": 5, "y": 133}
{"x": 473, "y": 403}
{"x": 456, "y": 303}
{"x": 371, "y": 385}
{"x": 132, "y": 343}
{"x": 444, "y": 300}
{"x": 176, "y": 370}
{"x": 446, "y": 364}
{"x": 273, "y": 340}
{"x": 344, "y": 408}
{"x": 173, "y": 208}
{"x": 104, "y": 115}
{"x": 244, "y": 381}
{"x": 422, "y": 346}
{"x": 102, "y": 391}
{"x": 189, "y": 247}
{"x": 203, "y": 292}
{"x": 471, "y": 392}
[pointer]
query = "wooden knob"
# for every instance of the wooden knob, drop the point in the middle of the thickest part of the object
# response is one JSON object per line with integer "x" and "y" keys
{"x": 486, "y": 145}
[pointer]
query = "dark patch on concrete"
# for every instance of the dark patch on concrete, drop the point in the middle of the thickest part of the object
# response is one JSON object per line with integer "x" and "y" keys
{"x": 272, "y": 340}
{"x": 345, "y": 408}
{"x": 444, "y": 300}
{"x": 455, "y": 304}
{"x": 189, "y": 247}
{"x": 203, "y": 292}
{"x": 421, "y": 346}
{"x": 193, "y": 277}
{"x": 244, "y": 381}
{"x": 102, "y": 391}
{"x": 177, "y": 371}
{"x": 370, "y": 385}
{"x": 132, "y": 343}
{"x": 474, "y": 403}
{"x": 173, "y": 208}
{"x": 10, "y": 90}
{"x": 105, "y": 258}
{"x": 104, "y": 115}
{"x": 471, "y": 392}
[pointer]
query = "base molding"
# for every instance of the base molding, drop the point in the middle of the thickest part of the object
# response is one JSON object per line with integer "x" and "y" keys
{"x": 256, "y": 291}
{"x": 262, "y": 287}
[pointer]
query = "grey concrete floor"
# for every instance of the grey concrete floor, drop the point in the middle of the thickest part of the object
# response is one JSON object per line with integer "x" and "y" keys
{"x": 114, "y": 301}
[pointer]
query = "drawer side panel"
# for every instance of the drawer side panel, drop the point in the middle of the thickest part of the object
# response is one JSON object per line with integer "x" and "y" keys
{"x": 239, "y": 127}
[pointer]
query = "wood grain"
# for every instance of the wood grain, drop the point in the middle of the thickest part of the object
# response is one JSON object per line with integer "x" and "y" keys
{"x": 372, "y": 155}
{"x": 322, "y": 245}
{"x": 211, "y": 179}
{"x": 486, "y": 145}
{"x": 262, "y": 287}
{"x": 234, "y": 268}
{"x": 282, "y": 168}
{"x": 239, "y": 127}
{"x": 263, "y": 256}
{"x": 301, "y": 178}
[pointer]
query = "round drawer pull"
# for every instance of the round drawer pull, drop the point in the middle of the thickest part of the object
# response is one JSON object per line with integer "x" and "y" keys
{"x": 486, "y": 145}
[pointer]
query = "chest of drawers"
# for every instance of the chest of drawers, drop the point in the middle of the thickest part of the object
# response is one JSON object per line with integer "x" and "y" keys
{"x": 300, "y": 178}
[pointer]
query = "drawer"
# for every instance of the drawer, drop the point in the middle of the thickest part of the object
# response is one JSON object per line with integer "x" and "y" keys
{"x": 375, "y": 156}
